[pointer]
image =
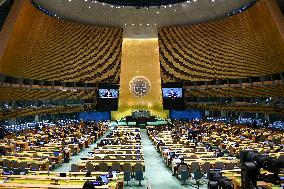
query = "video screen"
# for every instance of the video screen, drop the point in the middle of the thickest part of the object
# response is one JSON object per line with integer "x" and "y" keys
{"x": 108, "y": 93}
{"x": 172, "y": 92}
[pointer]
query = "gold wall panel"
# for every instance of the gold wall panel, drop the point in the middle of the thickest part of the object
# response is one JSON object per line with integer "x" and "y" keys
{"x": 45, "y": 48}
{"x": 140, "y": 57}
{"x": 244, "y": 45}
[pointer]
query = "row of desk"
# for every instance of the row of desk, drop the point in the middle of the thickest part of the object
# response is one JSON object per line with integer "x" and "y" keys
{"x": 129, "y": 151}
{"x": 67, "y": 141}
{"x": 201, "y": 144}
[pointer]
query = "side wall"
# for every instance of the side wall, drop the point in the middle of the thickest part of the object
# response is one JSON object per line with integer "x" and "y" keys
{"x": 247, "y": 44}
{"x": 46, "y": 48}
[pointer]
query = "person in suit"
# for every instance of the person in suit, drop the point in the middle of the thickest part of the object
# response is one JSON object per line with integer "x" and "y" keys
{"x": 172, "y": 94}
{"x": 108, "y": 94}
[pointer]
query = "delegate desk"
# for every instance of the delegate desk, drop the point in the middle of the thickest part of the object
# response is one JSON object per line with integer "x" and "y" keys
{"x": 56, "y": 159}
{"x": 119, "y": 151}
{"x": 42, "y": 162}
{"x": 43, "y": 179}
{"x": 212, "y": 161}
{"x": 114, "y": 156}
{"x": 235, "y": 176}
{"x": 82, "y": 163}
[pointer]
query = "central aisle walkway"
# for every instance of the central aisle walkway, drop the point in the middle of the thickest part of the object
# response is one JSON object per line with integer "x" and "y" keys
{"x": 158, "y": 175}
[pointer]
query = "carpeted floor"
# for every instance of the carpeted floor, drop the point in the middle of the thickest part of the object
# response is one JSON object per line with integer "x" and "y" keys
{"x": 157, "y": 175}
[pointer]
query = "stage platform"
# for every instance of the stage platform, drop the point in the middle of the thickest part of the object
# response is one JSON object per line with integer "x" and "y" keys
{"x": 155, "y": 123}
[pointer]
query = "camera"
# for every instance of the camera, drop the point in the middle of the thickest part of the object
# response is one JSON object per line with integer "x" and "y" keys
{"x": 252, "y": 162}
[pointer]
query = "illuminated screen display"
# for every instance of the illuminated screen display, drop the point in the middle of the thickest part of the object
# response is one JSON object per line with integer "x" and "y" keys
{"x": 172, "y": 92}
{"x": 108, "y": 93}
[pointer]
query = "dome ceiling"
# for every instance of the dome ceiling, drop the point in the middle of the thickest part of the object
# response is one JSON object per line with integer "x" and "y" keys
{"x": 141, "y": 3}
{"x": 140, "y": 21}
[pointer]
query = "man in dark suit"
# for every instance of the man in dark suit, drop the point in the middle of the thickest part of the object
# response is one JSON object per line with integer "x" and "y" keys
{"x": 108, "y": 94}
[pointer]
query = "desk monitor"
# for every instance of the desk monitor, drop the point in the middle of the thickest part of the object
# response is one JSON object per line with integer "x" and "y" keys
{"x": 7, "y": 173}
{"x": 97, "y": 183}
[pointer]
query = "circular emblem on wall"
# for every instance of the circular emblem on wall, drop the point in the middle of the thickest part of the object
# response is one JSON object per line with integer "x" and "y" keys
{"x": 139, "y": 86}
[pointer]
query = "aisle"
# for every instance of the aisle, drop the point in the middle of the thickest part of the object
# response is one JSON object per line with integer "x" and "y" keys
{"x": 158, "y": 176}
{"x": 65, "y": 167}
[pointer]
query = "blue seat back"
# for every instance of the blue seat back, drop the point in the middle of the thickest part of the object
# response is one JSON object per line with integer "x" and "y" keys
{"x": 127, "y": 176}
{"x": 197, "y": 174}
{"x": 184, "y": 175}
{"x": 139, "y": 175}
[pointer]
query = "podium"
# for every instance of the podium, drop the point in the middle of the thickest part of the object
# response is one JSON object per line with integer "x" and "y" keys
{"x": 141, "y": 117}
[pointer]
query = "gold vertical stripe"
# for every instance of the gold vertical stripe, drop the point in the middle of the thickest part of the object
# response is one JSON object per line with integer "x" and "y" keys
{"x": 140, "y": 57}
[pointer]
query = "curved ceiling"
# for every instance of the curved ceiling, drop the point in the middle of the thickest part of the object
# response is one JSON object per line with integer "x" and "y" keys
{"x": 143, "y": 21}
{"x": 139, "y": 3}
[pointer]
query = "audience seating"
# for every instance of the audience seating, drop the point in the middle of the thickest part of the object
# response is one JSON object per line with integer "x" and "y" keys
{"x": 205, "y": 146}
{"x": 255, "y": 91}
{"x": 15, "y": 93}
{"x": 14, "y": 113}
{"x": 120, "y": 150}
{"x": 43, "y": 149}
{"x": 34, "y": 156}
{"x": 63, "y": 51}
{"x": 242, "y": 107}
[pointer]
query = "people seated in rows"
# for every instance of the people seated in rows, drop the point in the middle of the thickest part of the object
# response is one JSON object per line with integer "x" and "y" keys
{"x": 223, "y": 140}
